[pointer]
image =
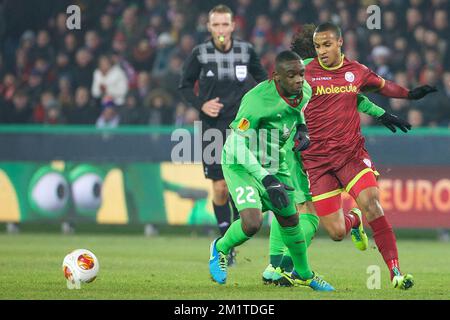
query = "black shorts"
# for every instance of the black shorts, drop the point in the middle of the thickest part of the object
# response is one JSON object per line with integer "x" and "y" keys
{"x": 213, "y": 171}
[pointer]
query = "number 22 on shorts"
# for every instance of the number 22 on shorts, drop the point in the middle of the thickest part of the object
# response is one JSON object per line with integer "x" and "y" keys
{"x": 249, "y": 198}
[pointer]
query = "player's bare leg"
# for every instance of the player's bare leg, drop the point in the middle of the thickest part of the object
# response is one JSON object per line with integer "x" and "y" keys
{"x": 334, "y": 224}
{"x": 368, "y": 201}
{"x": 339, "y": 223}
{"x": 223, "y": 211}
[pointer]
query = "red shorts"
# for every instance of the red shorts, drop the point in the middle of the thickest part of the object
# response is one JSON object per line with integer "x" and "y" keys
{"x": 327, "y": 182}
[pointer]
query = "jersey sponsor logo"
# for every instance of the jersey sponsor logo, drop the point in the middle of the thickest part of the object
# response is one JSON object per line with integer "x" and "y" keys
{"x": 320, "y": 90}
{"x": 241, "y": 72}
{"x": 321, "y": 78}
{"x": 210, "y": 74}
{"x": 349, "y": 76}
{"x": 368, "y": 162}
{"x": 243, "y": 124}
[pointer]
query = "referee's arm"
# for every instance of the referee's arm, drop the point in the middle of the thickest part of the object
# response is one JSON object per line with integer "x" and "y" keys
{"x": 255, "y": 67}
{"x": 189, "y": 75}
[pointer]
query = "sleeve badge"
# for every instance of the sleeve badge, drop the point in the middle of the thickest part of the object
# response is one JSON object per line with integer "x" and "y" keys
{"x": 243, "y": 124}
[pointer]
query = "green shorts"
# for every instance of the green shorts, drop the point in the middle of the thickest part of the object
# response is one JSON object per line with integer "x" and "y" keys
{"x": 298, "y": 175}
{"x": 248, "y": 193}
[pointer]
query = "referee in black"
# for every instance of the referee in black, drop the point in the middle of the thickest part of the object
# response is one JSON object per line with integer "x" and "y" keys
{"x": 226, "y": 69}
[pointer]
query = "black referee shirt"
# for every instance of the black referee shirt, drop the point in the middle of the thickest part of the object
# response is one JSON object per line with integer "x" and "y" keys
{"x": 227, "y": 75}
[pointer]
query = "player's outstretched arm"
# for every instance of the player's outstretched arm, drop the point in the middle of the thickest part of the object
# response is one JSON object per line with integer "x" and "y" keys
{"x": 374, "y": 82}
{"x": 391, "y": 121}
{"x": 392, "y": 90}
{"x": 420, "y": 92}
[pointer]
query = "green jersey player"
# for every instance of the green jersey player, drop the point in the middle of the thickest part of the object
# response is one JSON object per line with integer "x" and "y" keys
{"x": 255, "y": 169}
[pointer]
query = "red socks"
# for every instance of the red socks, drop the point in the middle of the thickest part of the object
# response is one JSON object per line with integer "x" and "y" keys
{"x": 385, "y": 239}
{"x": 351, "y": 221}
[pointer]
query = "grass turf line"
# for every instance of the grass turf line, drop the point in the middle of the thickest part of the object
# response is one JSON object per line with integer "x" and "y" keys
{"x": 168, "y": 267}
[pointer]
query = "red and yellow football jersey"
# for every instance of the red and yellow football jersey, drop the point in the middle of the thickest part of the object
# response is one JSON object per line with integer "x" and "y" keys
{"x": 331, "y": 115}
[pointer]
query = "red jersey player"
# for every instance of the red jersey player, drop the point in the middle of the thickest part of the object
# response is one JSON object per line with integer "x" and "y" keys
{"x": 337, "y": 159}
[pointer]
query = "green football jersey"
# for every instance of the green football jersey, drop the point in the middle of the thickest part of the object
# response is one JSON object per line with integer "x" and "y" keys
{"x": 266, "y": 120}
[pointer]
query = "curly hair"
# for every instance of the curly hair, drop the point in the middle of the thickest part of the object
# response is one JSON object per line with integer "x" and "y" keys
{"x": 302, "y": 42}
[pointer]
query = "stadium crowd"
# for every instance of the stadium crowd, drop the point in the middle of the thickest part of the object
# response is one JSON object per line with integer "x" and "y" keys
{"x": 123, "y": 66}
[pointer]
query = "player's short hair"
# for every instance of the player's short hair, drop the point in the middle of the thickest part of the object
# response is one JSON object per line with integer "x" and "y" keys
{"x": 302, "y": 42}
{"x": 221, "y": 8}
{"x": 329, "y": 26}
{"x": 285, "y": 56}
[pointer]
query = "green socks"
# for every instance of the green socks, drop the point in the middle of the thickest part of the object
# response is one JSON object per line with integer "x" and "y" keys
{"x": 279, "y": 255}
{"x": 234, "y": 237}
{"x": 294, "y": 239}
{"x": 276, "y": 245}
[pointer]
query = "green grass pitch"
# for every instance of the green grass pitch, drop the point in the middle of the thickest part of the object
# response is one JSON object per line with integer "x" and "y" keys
{"x": 176, "y": 267}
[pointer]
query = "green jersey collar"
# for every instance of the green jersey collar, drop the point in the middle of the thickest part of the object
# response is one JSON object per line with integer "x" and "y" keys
{"x": 294, "y": 103}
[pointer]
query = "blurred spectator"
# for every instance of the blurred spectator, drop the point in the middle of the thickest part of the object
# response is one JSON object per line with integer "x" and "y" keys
{"x": 167, "y": 80}
{"x": 165, "y": 46}
{"x": 19, "y": 110}
{"x": 201, "y": 31}
{"x": 184, "y": 48}
{"x": 109, "y": 118}
{"x": 58, "y": 30}
{"x": 129, "y": 26}
{"x": 143, "y": 86}
{"x": 93, "y": 43}
{"x": 142, "y": 56}
{"x": 440, "y": 23}
{"x": 415, "y": 118}
{"x": 115, "y": 7}
{"x": 106, "y": 29}
{"x": 399, "y": 107}
{"x": 27, "y": 40}
{"x": 34, "y": 87}
{"x": 153, "y": 8}
{"x": 131, "y": 112}
{"x": 160, "y": 110}
{"x": 391, "y": 28}
{"x": 109, "y": 80}
{"x": 43, "y": 47}
{"x": 22, "y": 67}
{"x": 63, "y": 68}
{"x": 381, "y": 56}
{"x": 42, "y": 66}
{"x": 53, "y": 115}
{"x": 413, "y": 19}
{"x": 83, "y": 111}
{"x": 433, "y": 107}
{"x": 400, "y": 52}
{"x": 70, "y": 45}
{"x": 8, "y": 87}
{"x": 185, "y": 116}
{"x": 47, "y": 100}
{"x": 82, "y": 73}
{"x": 131, "y": 74}
{"x": 65, "y": 97}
